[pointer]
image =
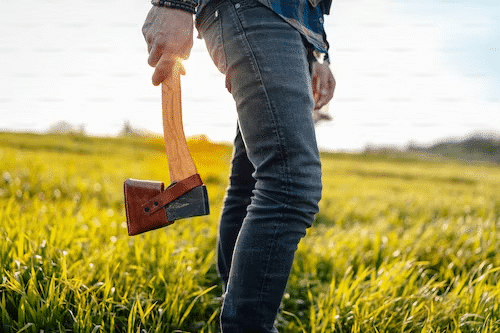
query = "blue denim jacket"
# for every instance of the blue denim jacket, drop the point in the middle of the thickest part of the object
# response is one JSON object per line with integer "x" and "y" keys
{"x": 302, "y": 15}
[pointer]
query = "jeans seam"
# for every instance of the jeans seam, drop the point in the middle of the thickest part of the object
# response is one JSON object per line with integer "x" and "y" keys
{"x": 267, "y": 264}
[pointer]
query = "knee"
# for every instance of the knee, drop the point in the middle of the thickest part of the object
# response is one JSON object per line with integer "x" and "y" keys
{"x": 305, "y": 194}
{"x": 305, "y": 183}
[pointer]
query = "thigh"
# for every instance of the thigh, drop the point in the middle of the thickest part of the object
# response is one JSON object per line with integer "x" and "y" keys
{"x": 267, "y": 72}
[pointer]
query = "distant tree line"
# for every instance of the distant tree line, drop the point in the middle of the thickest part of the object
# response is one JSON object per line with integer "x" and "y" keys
{"x": 63, "y": 127}
{"x": 484, "y": 147}
{"x": 477, "y": 147}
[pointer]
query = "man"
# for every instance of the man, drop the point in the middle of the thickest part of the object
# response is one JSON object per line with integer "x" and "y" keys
{"x": 265, "y": 49}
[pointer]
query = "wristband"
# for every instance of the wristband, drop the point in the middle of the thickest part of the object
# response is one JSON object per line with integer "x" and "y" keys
{"x": 185, "y": 5}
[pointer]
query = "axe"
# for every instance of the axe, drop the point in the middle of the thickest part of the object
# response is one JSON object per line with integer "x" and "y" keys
{"x": 148, "y": 204}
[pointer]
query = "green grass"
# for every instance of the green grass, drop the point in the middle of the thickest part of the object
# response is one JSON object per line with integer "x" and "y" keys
{"x": 399, "y": 245}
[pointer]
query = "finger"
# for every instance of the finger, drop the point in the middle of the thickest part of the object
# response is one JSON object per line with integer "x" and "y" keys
{"x": 155, "y": 54}
{"x": 186, "y": 52}
{"x": 328, "y": 88}
{"x": 147, "y": 36}
{"x": 331, "y": 88}
{"x": 332, "y": 85}
{"x": 318, "y": 88}
{"x": 149, "y": 42}
{"x": 147, "y": 24}
{"x": 323, "y": 97}
{"x": 163, "y": 70}
{"x": 157, "y": 51}
{"x": 321, "y": 90}
{"x": 322, "y": 101}
{"x": 315, "y": 86}
{"x": 145, "y": 29}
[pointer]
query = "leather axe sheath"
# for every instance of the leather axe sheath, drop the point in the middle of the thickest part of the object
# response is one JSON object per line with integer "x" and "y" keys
{"x": 148, "y": 204}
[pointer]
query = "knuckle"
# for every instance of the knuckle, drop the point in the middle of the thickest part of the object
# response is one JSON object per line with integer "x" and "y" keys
{"x": 145, "y": 29}
{"x": 157, "y": 48}
{"x": 160, "y": 47}
{"x": 152, "y": 60}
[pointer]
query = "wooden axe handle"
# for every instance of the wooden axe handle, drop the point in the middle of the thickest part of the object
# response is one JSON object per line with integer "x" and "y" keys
{"x": 180, "y": 162}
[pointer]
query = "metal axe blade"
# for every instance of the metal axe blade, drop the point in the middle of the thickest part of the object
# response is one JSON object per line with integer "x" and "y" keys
{"x": 193, "y": 203}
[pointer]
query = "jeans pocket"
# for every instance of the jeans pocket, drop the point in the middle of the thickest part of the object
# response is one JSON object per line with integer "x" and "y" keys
{"x": 211, "y": 32}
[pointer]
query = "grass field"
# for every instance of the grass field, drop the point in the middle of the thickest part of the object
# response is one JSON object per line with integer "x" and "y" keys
{"x": 400, "y": 244}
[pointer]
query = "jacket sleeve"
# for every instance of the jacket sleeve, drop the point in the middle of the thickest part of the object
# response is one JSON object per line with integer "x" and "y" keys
{"x": 327, "y": 4}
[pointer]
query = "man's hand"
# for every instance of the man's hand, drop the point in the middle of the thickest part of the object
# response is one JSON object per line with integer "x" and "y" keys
{"x": 169, "y": 35}
{"x": 323, "y": 84}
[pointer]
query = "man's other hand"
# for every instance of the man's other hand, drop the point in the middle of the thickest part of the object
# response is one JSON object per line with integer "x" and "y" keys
{"x": 323, "y": 84}
{"x": 169, "y": 35}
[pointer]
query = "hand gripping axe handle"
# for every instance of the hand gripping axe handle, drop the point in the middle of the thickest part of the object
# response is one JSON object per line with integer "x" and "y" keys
{"x": 148, "y": 205}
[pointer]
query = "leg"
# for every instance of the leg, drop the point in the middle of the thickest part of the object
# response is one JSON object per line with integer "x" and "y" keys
{"x": 267, "y": 73}
{"x": 235, "y": 207}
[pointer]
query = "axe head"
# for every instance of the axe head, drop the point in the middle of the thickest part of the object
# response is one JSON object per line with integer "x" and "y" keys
{"x": 190, "y": 204}
{"x": 149, "y": 207}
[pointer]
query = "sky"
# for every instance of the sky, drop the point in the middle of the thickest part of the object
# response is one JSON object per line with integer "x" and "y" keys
{"x": 406, "y": 70}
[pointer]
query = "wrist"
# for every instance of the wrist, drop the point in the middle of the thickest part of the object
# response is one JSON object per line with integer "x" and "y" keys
{"x": 184, "y": 5}
{"x": 321, "y": 57}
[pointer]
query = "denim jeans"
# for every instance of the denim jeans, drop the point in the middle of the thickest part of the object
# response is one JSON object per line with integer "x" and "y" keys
{"x": 275, "y": 182}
